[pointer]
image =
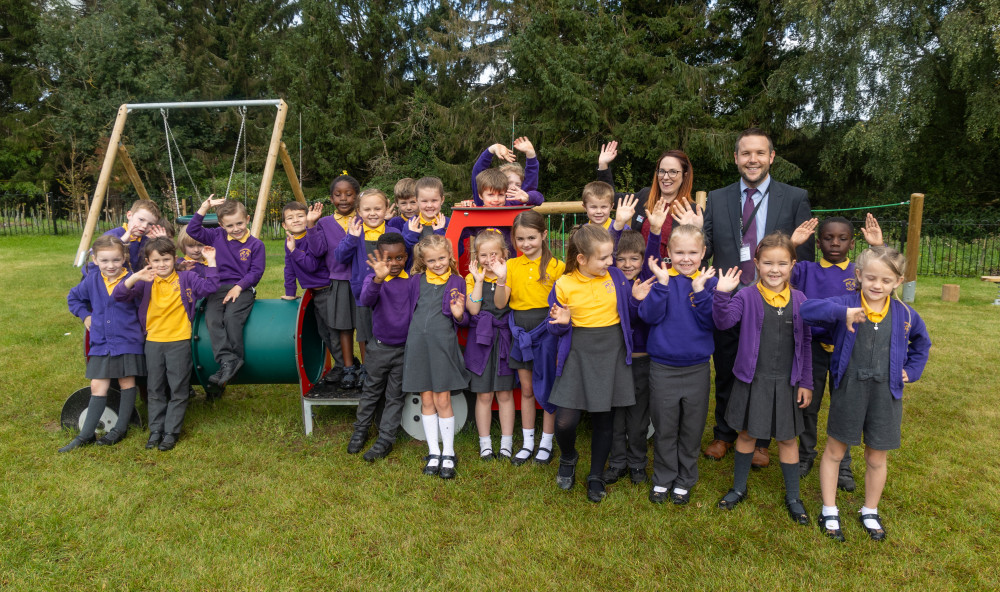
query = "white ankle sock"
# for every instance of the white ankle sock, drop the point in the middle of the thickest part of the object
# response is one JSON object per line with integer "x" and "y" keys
{"x": 529, "y": 443}
{"x": 832, "y": 511}
{"x": 485, "y": 443}
{"x": 430, "y": 423}
{"x": 507, "y": 443}
{"x": 546, "y": 442}
{"x": 447, "y": 426}
{"x": 869, "y": 523}
{"x": 680, "y": 491}
{"x": 658, "y": 489}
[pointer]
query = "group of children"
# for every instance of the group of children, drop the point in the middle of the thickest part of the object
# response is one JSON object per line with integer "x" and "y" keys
{"x": 614, "y": 331}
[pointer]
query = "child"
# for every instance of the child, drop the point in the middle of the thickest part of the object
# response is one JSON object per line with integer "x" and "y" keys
{"x": 354, "y": 250}
{"x": 116, "y": 342}
{"x": 832, "y": 276}
{"x": 773, "y": 367}
{"x": 880, "y": 344}
{"x": 192, "y": 260}
{"x": 679, "y": 312}
{"x": 598, "y": 198}
{"x": 433, "y": 359}
{"x": 166, "y": 307}
{"x": 140, "y": 226}
{"x": 387, "y": 291}
{"x": 429, "y": 219}
{"x": 522, "y": 184}
{"x": 404, "y": 194}
{"x": 592, "y": 371}
{"x": 493, "y": 189}
{"x": 336, "y": 304}
{"x": 526, "y": 282}
{"x": 488, "y": 345}
{"x": 241, "y": 265}
{"x": 631, "y": 424}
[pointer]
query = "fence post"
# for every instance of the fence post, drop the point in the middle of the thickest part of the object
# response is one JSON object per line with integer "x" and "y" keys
{"x": 48, "y": 208}
{"x": 913, "y": 246}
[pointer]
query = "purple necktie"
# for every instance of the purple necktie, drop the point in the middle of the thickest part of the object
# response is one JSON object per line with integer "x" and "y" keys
{"x": 749, "y": 238}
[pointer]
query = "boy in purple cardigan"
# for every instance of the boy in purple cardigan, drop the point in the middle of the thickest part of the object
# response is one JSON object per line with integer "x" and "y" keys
{"x": 241, "y": 262}
{"x": 522, "y": 183}
{"x": 166, "y": 307}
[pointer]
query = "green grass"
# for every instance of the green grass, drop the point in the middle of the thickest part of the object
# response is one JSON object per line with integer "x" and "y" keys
{"x": 247, "y": 502}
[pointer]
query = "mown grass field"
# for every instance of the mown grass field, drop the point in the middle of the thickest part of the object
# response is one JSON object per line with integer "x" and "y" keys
{"x": 247, "y": 502}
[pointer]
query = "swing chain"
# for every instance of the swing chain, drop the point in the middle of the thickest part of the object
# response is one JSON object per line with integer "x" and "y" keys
{"x": 236, "y": 153}
{"x": 170, "y": 136}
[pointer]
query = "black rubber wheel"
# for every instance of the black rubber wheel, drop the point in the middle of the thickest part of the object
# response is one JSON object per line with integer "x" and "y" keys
{"x": 75, "y": 407}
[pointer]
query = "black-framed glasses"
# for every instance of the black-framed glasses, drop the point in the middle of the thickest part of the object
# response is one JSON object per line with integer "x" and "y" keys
{"x": 672, "y": 174}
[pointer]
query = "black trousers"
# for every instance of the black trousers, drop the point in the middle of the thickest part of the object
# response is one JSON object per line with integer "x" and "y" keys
{"x": 384, "y": 364}
{"x": 631, "y": 424}
{"x": 169, "y": 367}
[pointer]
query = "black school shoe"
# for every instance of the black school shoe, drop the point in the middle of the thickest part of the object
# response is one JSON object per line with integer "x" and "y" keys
{"x": 877, "y": 533}
{"x": 380, "y": 449}
{"x": 567, "y": 466}
{"x": 357, "y": 441}
{"x": 658, "y": 497}
{"x": 678, "y": 499}
{"x": 349, "y": 380}
{"x": 732, "y": 499}
{"x": 833, "y": 533}
{"x": 168, "y": 442}
{"x": 112, "y": 437}
{"x": 227, "y": 372}
{"x": 613, "y": 474}
{"x": 805, "y": 466}
{"x": 77, "y": 442}
{"x": 429, "y": 469}
{"x": 595, "y": 489}
{"x": 448, "y": 472}
{"x": 638, "y": 476}
{"x": 845, "y": 480}
{"x": 797, "y": 511}
{"x": 154, "y": 440}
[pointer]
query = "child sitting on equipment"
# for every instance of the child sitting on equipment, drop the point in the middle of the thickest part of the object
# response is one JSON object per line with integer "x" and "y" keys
{"x": 166, "y": 300}
{"x": 140, "y": 226}
{"x": 241, "y": 264}
{"x": 404, "y": 196}
{"x": 522, "y": 183}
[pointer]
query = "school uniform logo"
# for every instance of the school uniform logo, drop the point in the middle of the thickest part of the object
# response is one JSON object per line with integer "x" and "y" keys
{"x": 851, "y": 284}
{"x": 244, "y": 254}
{"x": 454, "y": 293}
{"x": 691, "y": 298}
{"x": 188, "y": 295}
{"x": 609, "y": 287}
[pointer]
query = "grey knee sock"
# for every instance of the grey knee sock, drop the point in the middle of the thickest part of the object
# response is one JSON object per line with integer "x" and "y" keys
{"x": 94, "y": 411}
{"x": 125, "y": 409}
{"x": 741, "y": 470}
{"x": 790, "y": 471}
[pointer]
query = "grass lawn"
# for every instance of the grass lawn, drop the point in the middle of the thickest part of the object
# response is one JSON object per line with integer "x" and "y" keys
{"x": 247, "y": 502}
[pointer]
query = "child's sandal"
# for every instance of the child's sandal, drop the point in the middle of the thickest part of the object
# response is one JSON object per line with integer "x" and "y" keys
{"x": 877, "y": 533}
{"x": 834, "y": 533}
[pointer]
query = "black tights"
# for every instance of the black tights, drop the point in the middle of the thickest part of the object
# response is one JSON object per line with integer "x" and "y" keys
{"x": 600, "y": 441}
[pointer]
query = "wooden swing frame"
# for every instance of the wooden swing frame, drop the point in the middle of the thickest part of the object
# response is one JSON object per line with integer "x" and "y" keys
{"x": 116, "y": 150}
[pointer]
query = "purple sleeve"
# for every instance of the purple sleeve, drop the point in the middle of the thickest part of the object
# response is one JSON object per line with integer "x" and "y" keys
{"x": 653, "y": 309}
{"x": 530, "y": 175}
{"x": 204, "y": 286}
{"x": 410, "y": 238}
{"x": 727, "y": 309}
{"x": 78, "y": 300}
{"x": 918, "y": 349}
{"x": 258, "y": 259}
{"x": 316, "y": 237}
{"x": 123, "y": 294}
{"x": 198, "y": 232}
{"x": 290, "y": 287}
{"x": 482, "y": 163}
{"x": 652, "y": 250}
{"x": 703, "y": 305}
{"x": 823, "y": 312}
{"x": 305, "y": 261}
{"x": 345, "y": 250}
{"x": 370, "y": 292}
{"x": 555, "y": 328}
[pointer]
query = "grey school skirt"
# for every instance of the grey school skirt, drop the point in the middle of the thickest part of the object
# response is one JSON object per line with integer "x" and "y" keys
{"x": 335, "y": 305}
{"x": 765, "y": 409}
{"x": 595, "y": 376}
{"x": 490, "y": 381}
{"x": 120, "y": 366}
{"x": 527, "y": 320}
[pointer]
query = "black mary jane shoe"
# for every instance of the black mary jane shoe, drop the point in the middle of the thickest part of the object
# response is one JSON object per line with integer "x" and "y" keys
{"x": 111, "y": 438}
{"x": 168, "y": 442}
{"x": 154, "y": 440}
{"x": 613, "y": 474}
{"x": 680, "y": 499}
{"x": 548, "y": 459}
{"x": 732, "y": 499}
{"x": 448, "y": 472}
{"x": 797, "y": 511}
{"x": 833, "y": 533}
{"x": 432, "y": 469}
{"x": 487, "y": 455}
{"x": 658, "y": 497}
{"x": 877, "y": 533}
{"x": 598, "y": 493}
{"x": 567, "y": 482}
{"x": 517, "y": 461}
{"x": 77, "y": 442}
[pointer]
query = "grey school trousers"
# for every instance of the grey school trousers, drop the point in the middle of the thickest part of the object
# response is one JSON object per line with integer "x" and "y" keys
{"x": 384, "y": 364}
{"x": 169, "y": 365}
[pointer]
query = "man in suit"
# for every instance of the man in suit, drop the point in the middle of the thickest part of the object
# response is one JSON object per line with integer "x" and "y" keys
{"x": 732, "y": 229}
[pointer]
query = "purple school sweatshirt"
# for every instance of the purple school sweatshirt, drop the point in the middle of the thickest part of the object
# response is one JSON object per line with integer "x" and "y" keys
{"x": 239, "y": 263}
{"x": 301, "y": 265}
{"x": 909, "y": 345}
{"x": 114, "y": 325}
{"x": 135, "y": 259}
{"x": 680, "y": 322}
{"x": 393, "y": 303}
{"x": 193, "y": 289}
{"x": 352, "y": 252}
{"x": 530, "y": 184}
{"x": 747, "y": 307}
{"x": 816, "y": 281}
{"x": 323, "y": 240}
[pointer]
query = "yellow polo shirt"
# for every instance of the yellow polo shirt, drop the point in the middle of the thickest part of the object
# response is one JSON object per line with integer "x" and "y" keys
{"x": 775, "y": 299}
{"x": 592, "y": 302}
{"x": 526, "y": 292}
{"x": 166, "y": 319}
{"x": 874, "y": 316}
{"x": 111, "y": 283}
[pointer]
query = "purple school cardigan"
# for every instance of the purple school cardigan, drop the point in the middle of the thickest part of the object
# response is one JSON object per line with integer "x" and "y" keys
{"x": 747, "y": 308}
{"x": 193, "y": 289}
{"x": 351, "y": 252}
{"x": 483, "y": 327}
{"x": 909, "y": 345}
{"x": 114, "y": 325}
{"x": 623, "y": 292}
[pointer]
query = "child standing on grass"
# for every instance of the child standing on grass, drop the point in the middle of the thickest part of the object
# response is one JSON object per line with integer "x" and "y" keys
{"x": 525, "y": 282}
{"x": 832, "y": 276}
{"x": 590, "y": 317}
{"x": 773, "y": 367}
{"x": 116, "y": 340}
{"x": 880, "y": 344}
{"x": 241, "y": 265}
{"x": 488, "y": 344}
{"x": 433, "y": 361}
{"x": 336, "y": 304}
{"x": 522, "y": 183}
{"x": 679, "y": 312}
{"x": 166, "y": 307}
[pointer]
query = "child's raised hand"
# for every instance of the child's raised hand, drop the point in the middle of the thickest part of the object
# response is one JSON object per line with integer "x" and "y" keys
{"x": 502, "y": 152}
{"x": 607, "y": 154}
{"x": 517, "y": 193}
{"x": 232, "y": 294}
{"x": 683, "y": 213}
{"x": 156, "y": 231}
{"x": 314, "y": 214}
{"x": 804, "y": 231}
{"x": 804, "y": 397}
{"x": 379, "y": 264}
{"x": 215, "y": 202}
{"x": 414, "y": 224}
{"x": 438, "y": 222}
{"x": 354, "y": 226}
{"x": 657, "y": 216}
{"x": 390, "y": 212}
{"x": 86, "y": 323}
{"x": 209, "y": 254}
{"x": 641, "y": 289}
{"x": 186, "y": 265}
{"x": 523, "y": 144}
{"x": 906, "y": 377}
{"x": 872, "y": 232}
{"x": 559, "y": 315}
{"x": 457, "y": 305}
{"x": 660, "y": 269}
{"x": 625, "y": 210}
{"x": 698, "y": 283}
{"x": 499, "y": 268}
{"x": 854, "y": 316}
{"x": 467, "y": 203}
{"x": 145, "y": 274}
{"x": 289, "y": 297}
{"x": 478, "y": 273}
{"x": 289, "y": 241}
{"x": 729, "y": 280}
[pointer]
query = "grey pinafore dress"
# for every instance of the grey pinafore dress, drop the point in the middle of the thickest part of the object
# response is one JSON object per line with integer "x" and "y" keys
{"x": 433, "y": 360}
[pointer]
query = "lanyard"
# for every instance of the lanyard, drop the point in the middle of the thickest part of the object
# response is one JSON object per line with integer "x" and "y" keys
{"x": 752, "y": 214}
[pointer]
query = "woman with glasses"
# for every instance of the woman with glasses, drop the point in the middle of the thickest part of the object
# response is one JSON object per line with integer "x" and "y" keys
{"x": 673, "y": 178}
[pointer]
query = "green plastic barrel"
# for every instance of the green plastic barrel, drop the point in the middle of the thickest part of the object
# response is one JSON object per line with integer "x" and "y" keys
{"x": 281, "y": 344}
{"x": 208, "y": 221}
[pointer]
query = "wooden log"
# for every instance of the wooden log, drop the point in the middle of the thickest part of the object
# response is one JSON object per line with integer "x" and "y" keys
{"x": 133, "y": 174}
{"x": 950, "y": 292}
{"x": 269, "y": 164}
{"x": 94, "y": 214}
{"x": 293, "y": 179}
{"x": 913, "y": 246}
{"x": 701, "y": 198}
{"x": 560, "y": 207}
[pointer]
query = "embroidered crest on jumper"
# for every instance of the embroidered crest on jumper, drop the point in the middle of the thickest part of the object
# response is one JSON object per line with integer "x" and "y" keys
{"x": 244, "y": 254}
{"x": 851, "y": 284}
{"x": 188, "y": 295}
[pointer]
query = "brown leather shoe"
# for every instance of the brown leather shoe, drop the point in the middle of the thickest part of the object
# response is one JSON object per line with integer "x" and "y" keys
{"x": 717, "y": 449}
{"x": 761, "y": 458}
